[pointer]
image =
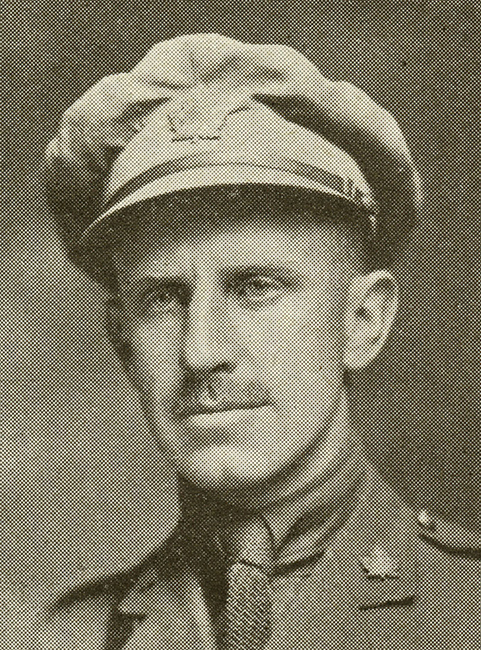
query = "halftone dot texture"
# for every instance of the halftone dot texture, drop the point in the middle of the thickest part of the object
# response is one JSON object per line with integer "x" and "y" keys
{"x": 451, "y": 638}
{"x": 248, "y": 607}
{"x": 208, "y": 104}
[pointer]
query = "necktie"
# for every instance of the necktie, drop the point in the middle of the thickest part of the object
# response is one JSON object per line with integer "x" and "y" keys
{"x": 248, "y": 605}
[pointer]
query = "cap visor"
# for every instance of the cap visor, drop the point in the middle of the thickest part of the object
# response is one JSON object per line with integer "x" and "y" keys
{"x": 216, "y": 175}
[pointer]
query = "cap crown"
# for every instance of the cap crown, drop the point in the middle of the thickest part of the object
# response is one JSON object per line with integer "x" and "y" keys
{"x": 208, "y": 94}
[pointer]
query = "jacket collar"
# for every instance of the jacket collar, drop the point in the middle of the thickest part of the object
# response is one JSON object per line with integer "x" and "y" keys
{"x": 370, "y": 563}
{"x": 376, "y": 549}
{"x": 159, "y": 572}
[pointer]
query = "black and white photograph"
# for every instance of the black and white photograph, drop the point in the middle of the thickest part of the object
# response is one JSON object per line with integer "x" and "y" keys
{"x": 240, "y": 325}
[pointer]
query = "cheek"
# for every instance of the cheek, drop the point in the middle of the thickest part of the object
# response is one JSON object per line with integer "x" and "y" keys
{"x": 299, "y": 338}
{"x": 298, "y": 356}
{"x": 155, "y": 354}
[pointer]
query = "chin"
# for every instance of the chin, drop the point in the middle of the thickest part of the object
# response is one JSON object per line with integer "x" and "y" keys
{"x": 224, "y": 468}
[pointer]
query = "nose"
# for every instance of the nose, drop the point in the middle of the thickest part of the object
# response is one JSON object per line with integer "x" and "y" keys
{"x": 208, "y": 343}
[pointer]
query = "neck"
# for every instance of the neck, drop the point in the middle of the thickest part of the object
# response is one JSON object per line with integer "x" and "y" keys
{"x": 321, "y": 460}
{"x": 317, "y": 464}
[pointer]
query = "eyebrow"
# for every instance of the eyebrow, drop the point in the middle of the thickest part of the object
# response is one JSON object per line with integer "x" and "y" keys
{"x": 240, "y": 269}
{"x": 259, "y": 269}
{"x": 226, "y": 274}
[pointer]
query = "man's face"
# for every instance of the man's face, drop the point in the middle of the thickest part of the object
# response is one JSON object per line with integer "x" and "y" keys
{"x": 236, "y": 335}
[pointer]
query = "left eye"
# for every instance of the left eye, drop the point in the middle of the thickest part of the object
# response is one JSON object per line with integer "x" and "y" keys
{"x": 259, "y": 289}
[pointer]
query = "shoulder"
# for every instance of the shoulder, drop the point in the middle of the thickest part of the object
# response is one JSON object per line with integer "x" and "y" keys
{"x": 83, "y": 617}
{"x": 447, "y": 536}
{"x": 433, "y": 535}
{"x": 449, "y": 565}
{"x": 444, "y": 556}
{"x": 449, "y": 579}
{"x": 439, "y": 569}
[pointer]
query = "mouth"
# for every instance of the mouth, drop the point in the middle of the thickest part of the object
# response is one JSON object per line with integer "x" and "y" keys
{"x": 194, "y": 411}
{"x": 218, "y": 418}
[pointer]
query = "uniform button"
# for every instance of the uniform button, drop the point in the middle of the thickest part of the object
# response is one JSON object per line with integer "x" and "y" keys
{"x": 426, "y": 521}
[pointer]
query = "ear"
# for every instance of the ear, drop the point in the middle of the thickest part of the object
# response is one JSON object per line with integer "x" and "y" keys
{"x": 371, "y": 308}
{"x": 114, "y": 323}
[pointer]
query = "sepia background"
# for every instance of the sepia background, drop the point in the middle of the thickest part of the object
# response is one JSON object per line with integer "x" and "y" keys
{"x": 82, "y": 487}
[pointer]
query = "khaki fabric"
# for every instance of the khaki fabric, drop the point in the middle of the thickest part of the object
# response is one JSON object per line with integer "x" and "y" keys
{"x": 382, "y": 583}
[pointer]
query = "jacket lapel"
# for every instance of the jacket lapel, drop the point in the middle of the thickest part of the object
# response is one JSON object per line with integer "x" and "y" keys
{"x": 83, "y": 626}
{"x": 168, "y": 609}
{"x": 362, "y": 591}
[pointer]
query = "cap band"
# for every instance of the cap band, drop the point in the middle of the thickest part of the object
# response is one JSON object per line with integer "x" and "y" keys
{"x": 338, "y": 184}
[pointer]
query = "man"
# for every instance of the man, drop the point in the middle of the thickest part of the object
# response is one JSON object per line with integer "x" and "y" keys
{"x": 242, "y": 211}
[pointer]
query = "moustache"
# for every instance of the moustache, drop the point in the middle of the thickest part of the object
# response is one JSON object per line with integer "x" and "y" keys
{"x": 210, "y": 395}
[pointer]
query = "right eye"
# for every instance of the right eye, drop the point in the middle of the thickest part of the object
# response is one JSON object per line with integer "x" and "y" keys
{"x": 162, "y": 300}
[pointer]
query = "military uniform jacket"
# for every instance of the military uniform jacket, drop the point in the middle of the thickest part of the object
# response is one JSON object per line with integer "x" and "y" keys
{"x": 387, "y": 580}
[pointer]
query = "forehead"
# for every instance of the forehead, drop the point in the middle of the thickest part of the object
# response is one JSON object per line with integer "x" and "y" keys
{"x": 227, "y": 234}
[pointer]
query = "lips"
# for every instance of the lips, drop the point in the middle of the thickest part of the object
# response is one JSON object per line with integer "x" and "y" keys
{"x": 190, "y": 410}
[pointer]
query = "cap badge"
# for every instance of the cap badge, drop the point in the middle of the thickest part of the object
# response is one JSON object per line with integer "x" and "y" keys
{"x": 379, "y": 564}
{"x": 199, "y": 115}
